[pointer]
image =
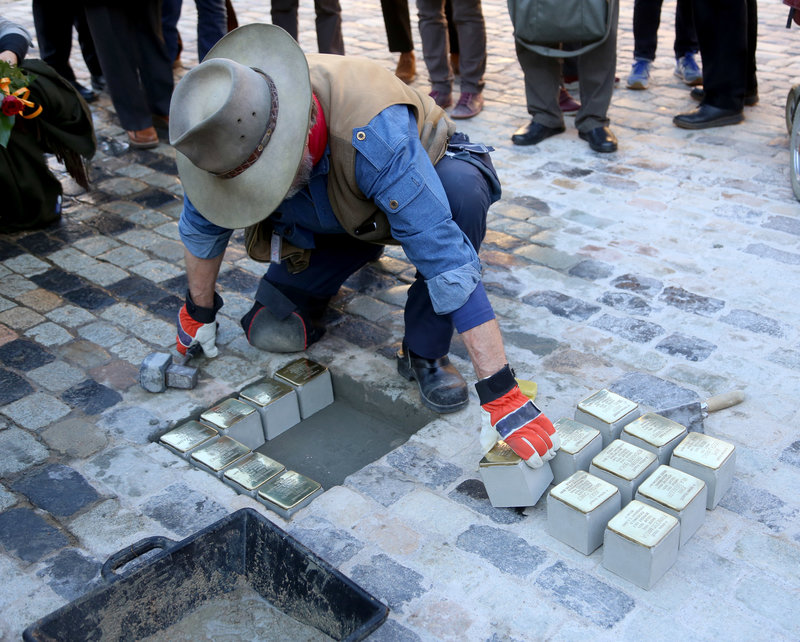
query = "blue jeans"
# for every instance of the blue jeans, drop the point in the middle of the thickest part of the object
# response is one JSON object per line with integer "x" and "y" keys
{"x": 212, "y": 24}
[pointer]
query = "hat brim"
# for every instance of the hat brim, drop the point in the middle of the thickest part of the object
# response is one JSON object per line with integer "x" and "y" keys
{"x": 255, "y": 193}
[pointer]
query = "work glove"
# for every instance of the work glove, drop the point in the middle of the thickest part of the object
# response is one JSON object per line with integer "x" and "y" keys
{"x": 511, "y": 416}
{"x": 197, "y": 325}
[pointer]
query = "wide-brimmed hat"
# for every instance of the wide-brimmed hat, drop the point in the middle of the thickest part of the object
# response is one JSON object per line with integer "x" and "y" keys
{"x": 239, "y": 122}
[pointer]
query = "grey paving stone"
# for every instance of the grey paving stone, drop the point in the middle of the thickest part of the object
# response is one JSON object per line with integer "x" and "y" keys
{"x": 643, "y": 285}
{"x": 634, "y": 330}
{"x": 541, "y": 346}
{"x": 49, "y": 334}
{"x": 12, "y": 285}
{"x": 156, "y": 271}
{"x": 787, "y": 358}
{"x": 95, "y": 245}
{"x": 791, "y": 454}
{"x": 91, "y": 397}
{"x": 755, "y": 322}
{"x": 28, "y": 536}
{"x": 691, "y": 302}
{"x": 332, "y": 544}
{"x": 393, "y": 631}
{"x": 70, "y": 316}
{"x": 20, "y": 318}
{"x": 56, "y": 376}
{"x": 72, "y": 260}
{"x": 6, "y": 499}
{"x": 70, "y": 573}
{"x": 35, "y": 411}
{"x": 691, "y": 348}
{"x": 759, "y": 505}
{"x": 591, "y": 270}
{"x": 548, "y": 256}
{"x": 382, "y": 483}
{"x": 783, "y": 224}
{"x": 133, "y": 423}
{"x": 75, "y": 437}
{"x": 562, "y": 305}
{"x": 5, "y": 304}
{"x": 389, "y": 581}
{"x": 103, "y": 274}
{"x": 102, "y": 333}
{"x": 504, "y": 550}
{"x": 626, "y": 302}
{"x": 12, "y": 387}
{"x": 767, "y": 252}
{"x": 57, "y": 489}
{"x": 26, "y": 265}
{"x": 585, "y": 595}
{"x": 422, "y": 463}
{"x": 472, "y": 493}
{"x": 155, "y": 331}
{"x": 183, "y": 510}
{"x": 124, "y": 256}
{"x": 84, "y": 354}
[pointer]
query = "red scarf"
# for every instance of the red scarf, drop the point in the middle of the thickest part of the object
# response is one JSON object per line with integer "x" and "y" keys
{"x": 318, "y": 136}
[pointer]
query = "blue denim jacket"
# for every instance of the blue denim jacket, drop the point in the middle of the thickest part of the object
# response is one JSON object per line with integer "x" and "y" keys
{"x": 390, "y": 160}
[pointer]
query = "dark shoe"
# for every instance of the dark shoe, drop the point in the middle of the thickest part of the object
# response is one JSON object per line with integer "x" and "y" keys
{"x": 290, "y": 334}
{"x": 441, "y": 387}
{"x": 87, "y": 94}
{"x": 161, "y": 123}
{"x": 406, "y": 67}
{"x": 600, "y": 139}
{"x": 566, "y": 102}
{"x": 706, "y": 116}
{"x": 98, "y": 83}
{"x": 444, "y": 100}
{"x": 143, "y": 138}
{"x": 534, "y": 133}
{"x": 698, "y": 93}
{"x": 468, "y": 105}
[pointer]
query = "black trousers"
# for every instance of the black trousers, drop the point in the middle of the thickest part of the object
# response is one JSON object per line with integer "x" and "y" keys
{"x": 54, "y": 20}
{"x": 727, "y": 33}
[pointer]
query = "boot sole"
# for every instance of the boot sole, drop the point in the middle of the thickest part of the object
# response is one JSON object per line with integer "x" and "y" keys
{"x": 407, "y": 372}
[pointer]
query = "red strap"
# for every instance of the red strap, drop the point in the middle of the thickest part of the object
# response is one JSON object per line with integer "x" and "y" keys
{"x": 318, "y": 137}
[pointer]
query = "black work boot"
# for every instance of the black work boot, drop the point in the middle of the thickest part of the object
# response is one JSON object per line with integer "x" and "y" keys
{"x": 441, "y": 386}
{"x": 293, "y": 333}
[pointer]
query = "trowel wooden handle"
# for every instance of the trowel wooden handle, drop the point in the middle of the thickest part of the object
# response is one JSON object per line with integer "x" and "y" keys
{"x": 725, "y": 400}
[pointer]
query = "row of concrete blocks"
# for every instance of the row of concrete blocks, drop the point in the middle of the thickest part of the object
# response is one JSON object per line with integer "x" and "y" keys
{"x": 224, "y": 440}
{"x": 637, "y": 484}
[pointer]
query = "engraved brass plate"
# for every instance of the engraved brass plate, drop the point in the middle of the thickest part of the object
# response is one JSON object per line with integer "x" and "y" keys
{"x": 584, "y": 492}
{"x": 254, "y": 470}
{"x": 300, "y": 372}
{"x": 264, "y": 392}
{"x": 227, "y": 413}
{"x": 704, "y": 450}
{"x": 642, "y": 524}
{"x": 671, "y": 487}
{"x": 654, "y": 429}
{"x": 288, "y": 489}
{"x": 607, "y": 406}
{"x": 500, "y": 455}
{"x": 574, "y": 435}
{"x": 623, "y": 459}
{"x": 188, "y": 435}
{"x": 221, "y": 453}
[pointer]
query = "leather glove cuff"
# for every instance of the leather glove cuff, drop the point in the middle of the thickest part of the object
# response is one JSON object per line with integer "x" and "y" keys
{"x": 201, "y": 314}
{"x": 500, "y": 383}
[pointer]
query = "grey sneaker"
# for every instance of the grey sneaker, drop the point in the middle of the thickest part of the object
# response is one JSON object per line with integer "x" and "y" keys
{"x": 640, "y": 74}
{"x": 687, "y": 70}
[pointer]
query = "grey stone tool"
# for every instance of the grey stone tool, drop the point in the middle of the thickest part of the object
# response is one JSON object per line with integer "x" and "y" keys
{"x": 158, "y": 372}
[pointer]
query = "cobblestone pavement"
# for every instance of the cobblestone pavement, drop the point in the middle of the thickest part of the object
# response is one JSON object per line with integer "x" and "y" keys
{"x": 674, "y": 261}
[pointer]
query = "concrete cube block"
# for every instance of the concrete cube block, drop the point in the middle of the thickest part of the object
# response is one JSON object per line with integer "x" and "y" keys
{"x": 678, "y": 494}
{"x": 608, "y": 412}
{"x": 641, "y": 544}
{"x": 312, "y": 383}
{"x": 237, "y": 420}
{"x": 624, "y": 465}
{"x": 216, "y": 457}
{"x": 250, "y": 472}
{"x": 188, "y": 436}
{"x": 709, "y": 459}
{"x": 509, "y": 481}
{"x": 655, "y": 433}
{"x": 288, "y": 492}
{"x": 579, "y": 508}
{"x": 579, "y": 445}
{"x": 276, "y": 403}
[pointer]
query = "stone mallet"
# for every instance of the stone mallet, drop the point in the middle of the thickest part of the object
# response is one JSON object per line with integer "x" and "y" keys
{"x": 158, "y": 371}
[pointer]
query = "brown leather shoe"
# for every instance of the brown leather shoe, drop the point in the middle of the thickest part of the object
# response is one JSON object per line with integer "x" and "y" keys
{"x": 406, "y": 67}
{"x": 143, "y": 138}
{"x": 468, "y": 105}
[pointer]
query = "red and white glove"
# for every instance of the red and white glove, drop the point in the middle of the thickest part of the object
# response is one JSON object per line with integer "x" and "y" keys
{"x": 197, "y": 325}
{"x": 511, "y": 416}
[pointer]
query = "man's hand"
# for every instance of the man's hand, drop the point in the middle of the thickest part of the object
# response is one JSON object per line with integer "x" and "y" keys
{"x": 514, "y": 418}
{"x": 9, "y": 56}
{"x": 198, "y": 325}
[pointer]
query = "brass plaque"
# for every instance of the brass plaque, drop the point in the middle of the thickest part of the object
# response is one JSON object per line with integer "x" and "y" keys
{"x": 704, "y": 450}
{"x": 671, "y": 487}
{"x": 264, "y": 392}
{"x": 584, "y": 492}
{"x": 288, "y": 489}
{"x": 607, "y": 406}
{"x": 642, "y": 524}
{"x": 221, "y": 453}
{"x": 500, "y": 455}
{"x": 227, "y": 413}
{"x": 300, "y": 372}
{"x": 623, "y": 459}
{"x": 254, "y": 470}
{"x": 574, "y": 435}
{"x": 188, "y": 435}
{"x": 655, "y": 429}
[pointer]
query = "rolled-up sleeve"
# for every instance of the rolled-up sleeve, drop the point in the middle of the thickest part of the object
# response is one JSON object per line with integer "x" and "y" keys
{"x": 201, "y": 237}
{"x": 393, "y": 169}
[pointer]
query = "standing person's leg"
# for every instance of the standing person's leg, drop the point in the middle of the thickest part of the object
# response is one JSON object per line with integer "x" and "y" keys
{"x": 685, "y": 33}
{"x": 53, "y": 22}
{"x": 329, "y": 26}
{"x": 284, "y": 15}
{"x": 170, "y": 14}
{"x": 646, "y": 20}
{"x": 471, "y": 28}
{"x": 212, "y": 24}
{"x": 155, "y": 65}
{"x": 751, "y": 83}
{"x": 542, "y": 76}
{"x": 88, "y": 50}
{"x": 435, "y": 45}
{"x": 397, "y": 21}
{"x": 452, "y": 34}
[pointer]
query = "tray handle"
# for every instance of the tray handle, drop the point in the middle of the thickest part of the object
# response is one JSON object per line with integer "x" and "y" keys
{"x": 130, "y": 553}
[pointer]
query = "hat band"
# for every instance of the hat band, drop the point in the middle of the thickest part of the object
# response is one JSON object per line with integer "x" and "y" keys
{"x": 262, "y": 145}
